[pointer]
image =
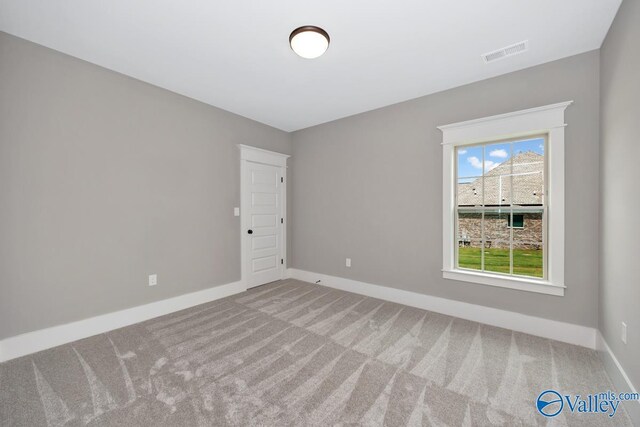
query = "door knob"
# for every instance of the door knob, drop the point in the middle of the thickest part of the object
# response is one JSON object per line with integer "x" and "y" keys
{"x": 250, "y": 231}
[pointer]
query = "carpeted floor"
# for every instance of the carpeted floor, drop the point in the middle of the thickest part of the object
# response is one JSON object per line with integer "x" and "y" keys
{"x": 293, "y": 353}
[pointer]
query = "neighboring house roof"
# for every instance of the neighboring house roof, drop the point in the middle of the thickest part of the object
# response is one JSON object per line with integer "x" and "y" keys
{"x": 526, "y": 173}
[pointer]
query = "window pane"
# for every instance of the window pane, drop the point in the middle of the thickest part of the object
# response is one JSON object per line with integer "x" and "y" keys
{"x": 532, "y": 226}
{"x": 469, "y": 161}
{"x": 470, "y": 191}
{"x": 497, "y": 236}
{"x": 528, "y": 172}
{"x": 496, "y": 159}
{"x": 528, "y": 259}
{"x": 496, "y": 256}
{"x": 497, "y": 190}
{"x": 496, "y": 226}
{"x": 497, "y": 181}
{"x": 470, "y": 254}
{"x": 469, "y": 227}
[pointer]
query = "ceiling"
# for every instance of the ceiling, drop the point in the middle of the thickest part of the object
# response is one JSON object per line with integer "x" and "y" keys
{"x": 234, "y": 54}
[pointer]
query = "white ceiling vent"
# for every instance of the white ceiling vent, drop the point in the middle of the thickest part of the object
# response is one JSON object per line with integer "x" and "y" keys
{"x": 514, "y": 49}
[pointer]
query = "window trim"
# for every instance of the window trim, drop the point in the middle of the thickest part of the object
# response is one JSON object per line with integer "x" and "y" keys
{"x": 548, "y": 120}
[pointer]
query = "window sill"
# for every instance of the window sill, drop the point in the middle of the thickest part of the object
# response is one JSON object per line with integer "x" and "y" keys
{"x": 518, "y": 283}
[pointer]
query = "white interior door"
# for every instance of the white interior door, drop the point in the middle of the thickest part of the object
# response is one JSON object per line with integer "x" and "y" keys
{"x": 263, "y": 222}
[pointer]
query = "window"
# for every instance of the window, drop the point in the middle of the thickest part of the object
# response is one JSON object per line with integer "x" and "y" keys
{"x": 518, "y": 221}
{"x": 503, "y": 203}
{"x": 498, "y": 183}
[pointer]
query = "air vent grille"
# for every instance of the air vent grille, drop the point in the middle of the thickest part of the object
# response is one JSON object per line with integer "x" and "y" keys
{"x": 511, "y": 50}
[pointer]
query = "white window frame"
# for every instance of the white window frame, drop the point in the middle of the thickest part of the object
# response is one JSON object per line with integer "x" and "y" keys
{"x": 547, "y": 120}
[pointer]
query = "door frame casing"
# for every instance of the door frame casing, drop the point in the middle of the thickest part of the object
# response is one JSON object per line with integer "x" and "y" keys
{"x": 270, "y": 158}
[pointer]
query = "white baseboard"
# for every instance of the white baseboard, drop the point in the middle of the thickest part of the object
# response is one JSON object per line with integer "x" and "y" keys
{"x": 618, "y": 376}
{"x": 552, "y": 329}
{"x": 31, "y": 342}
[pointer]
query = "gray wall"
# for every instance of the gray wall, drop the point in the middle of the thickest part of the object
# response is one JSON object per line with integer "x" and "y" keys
{"x": 369, "y": 187}
{"x": 620, "y": 195}
{"x": 104, "y": 180}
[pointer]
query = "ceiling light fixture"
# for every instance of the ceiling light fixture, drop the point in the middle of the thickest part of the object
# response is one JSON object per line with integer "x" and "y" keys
{"x": 309, "y": 41}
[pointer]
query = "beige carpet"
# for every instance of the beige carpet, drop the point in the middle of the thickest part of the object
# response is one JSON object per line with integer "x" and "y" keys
{"x": 293, "y": 353}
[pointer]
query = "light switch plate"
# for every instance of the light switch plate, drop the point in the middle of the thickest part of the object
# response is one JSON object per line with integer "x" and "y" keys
{"x": 236, "y": 211}
{"x": 348, "y": 262}
{"x": 153, "y": 279}
{"x": 624, "y": 333}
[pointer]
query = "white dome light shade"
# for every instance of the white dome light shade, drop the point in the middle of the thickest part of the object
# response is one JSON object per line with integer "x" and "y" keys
{"x": 309, "y": 42}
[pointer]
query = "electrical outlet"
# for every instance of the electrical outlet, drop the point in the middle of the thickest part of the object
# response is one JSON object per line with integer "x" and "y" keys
{"x": 348, "y": 262}
{"x": 153, "y": 279}
{"x": 624, "y": 333}
{"x": 236, "y": 211}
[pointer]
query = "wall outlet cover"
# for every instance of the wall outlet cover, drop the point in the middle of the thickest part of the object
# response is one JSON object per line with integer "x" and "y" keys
{"x": 153, "y": 279}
